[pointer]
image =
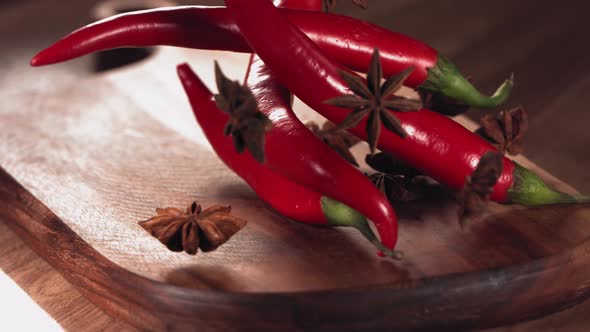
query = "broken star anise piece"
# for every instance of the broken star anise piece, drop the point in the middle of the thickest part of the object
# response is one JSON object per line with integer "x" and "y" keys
{"x": 246, "y": 124}
{"x": 478, "y": 187}
{"x": 196, "y": 228}
{"x": 505, "y": 131}
{"x": 374, "y": 100}
{"x": 330, "y": 4}
{"x": 339, "y": 140}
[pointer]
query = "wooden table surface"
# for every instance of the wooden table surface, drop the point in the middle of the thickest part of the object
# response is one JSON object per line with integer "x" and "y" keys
{"x": 534, "y": 62}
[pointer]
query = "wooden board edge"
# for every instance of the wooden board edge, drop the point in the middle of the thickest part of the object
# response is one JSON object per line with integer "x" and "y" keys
{"x": 507, "y": 295}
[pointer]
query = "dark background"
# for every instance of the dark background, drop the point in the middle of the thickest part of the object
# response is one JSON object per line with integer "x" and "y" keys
{"x": 545, "y": 43}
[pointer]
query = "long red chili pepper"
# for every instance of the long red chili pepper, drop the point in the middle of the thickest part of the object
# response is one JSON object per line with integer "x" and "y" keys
{"x": 287, "y": 197}
{"x": 313, "y": 5}
{"x": 346, "y": 40}
{"x": 307, "y": 160}
{"x": 293, "y": 151}
{"x": 435, "y": 144}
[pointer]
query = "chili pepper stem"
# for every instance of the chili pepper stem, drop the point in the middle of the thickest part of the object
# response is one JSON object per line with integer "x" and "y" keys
{"x": 445, "y": 78}
{"x": 341, "y": 215}
{"x": 530, "y": 190}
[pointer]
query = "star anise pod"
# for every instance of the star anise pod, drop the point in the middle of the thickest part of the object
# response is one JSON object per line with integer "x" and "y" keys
{"x": 375, "y": 101}
{"x": 339, "y": 140}
{"x": 394, "y": 178}
{"x": 387, "y": 163}
{"x": 330, "y": 4}
{"x": 442, "y": 104}
{"x": 246, "y": 124}
{"x": 505, "y": 131}
{"x": 395, "y": 187}
{"x": 193, "y": 229}
{"x": 478, "y": 187}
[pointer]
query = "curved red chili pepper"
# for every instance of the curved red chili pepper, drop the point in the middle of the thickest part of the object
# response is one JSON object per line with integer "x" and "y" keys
{"x": 346, "y": 40}
{"x": 436, "y": 145}
{"x": 313, "y": 5}
{"x": 293, "y": 151}
{"x": 287, "y": 197}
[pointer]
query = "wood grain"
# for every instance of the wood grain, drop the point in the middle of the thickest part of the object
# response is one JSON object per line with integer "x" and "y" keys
{"x": 149, "y": 304}
{"x": 49, "y": 289}
{"x": 92, "y": 164}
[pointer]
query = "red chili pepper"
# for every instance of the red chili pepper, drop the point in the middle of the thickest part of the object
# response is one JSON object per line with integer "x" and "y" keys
{"x": 293, "y": 151}
{"x": 346, "y": 40}
{"x": 313, "y": 5}
{"x": 287, "y": 197}
{"x": 296, "y": 153}
{"x": 436, "y": 145}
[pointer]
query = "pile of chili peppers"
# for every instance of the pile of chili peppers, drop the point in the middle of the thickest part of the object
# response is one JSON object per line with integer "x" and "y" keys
{"x": 297, "y": 48}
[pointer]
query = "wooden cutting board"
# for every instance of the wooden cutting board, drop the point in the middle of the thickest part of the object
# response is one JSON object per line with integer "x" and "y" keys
{"x": 80, "y": 168}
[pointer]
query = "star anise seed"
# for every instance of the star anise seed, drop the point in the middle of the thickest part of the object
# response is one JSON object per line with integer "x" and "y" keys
{"x": 475, "y": 195}
{"x": 246, "y": 124}
{"x": 374, "y": 100}
{"x": 193, "y": 229}
{"x": 506, "y": 131}
{"x": 339, "y": 140}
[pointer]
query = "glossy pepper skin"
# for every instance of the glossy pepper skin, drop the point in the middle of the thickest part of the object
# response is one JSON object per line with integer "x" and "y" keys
{"x": 293, "y": 151}
{"x": 312, "y": 5}
{"x": 285, "y": 196}
{"x": 436, "y": 145}
{"x": 346, "y": 40}
{"x": 296, "y": 153}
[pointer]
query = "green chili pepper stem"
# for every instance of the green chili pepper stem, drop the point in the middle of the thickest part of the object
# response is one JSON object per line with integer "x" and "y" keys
{"x": 530, "y": 190}
{"x": 445, "y": 78}
{"x": 341, "y": 215}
